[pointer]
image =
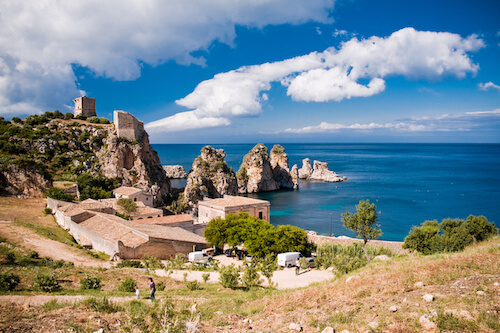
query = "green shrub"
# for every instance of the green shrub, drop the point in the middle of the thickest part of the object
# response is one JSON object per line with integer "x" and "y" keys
{"x": 90, "y": 282}
{"x": 58, "y": 194}
{"x": 129, "y": 263}
{"x": 160, "y": 286}
{"x": 93, "y": 120}
{"x": 32, "y": 255}
{"x": 205, "y": 277}
{"x": 8, "y": 281}
{"x": 251, "y": 277}
{"x": 81, "y": 117}
{"x": 101, "y": 305}
{"x": 151, "y": 262}
{"x": 47, "y": 211}
{"x": 68, "y": 116}
{"x": 127, "y": 285}
{"x": 127, "y": 204}
{"x": 103, "y": 120}
{"x": 46, "y": 283}
{"x": 192, "y": 285}
{"x": 229, "y": 276}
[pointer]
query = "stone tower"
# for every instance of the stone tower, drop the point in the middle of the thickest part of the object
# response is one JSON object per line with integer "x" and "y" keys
{"x": 86, "y": 106}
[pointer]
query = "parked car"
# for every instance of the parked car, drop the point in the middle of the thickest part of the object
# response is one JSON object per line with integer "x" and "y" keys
{"x": 199, "y": 257}
{"x": 241, "y": 254}
{"x": 229, "y": 253}
{"x": 310, "y": 262}
{"x": 287, "y": 259}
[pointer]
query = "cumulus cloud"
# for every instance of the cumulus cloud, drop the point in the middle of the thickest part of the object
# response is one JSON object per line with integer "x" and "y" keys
{"x": 443, "y": 123}
{"x": 336, "y": 74}
{"x": 41, "y": 41}
{"x": 488, "y": 85}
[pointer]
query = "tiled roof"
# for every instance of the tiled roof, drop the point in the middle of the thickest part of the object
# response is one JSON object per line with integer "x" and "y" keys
{"x": 232, "y": 201}
{"x": 126, "y": 190}
{"x": 169, "y": 233}
{"x": 179, "y": 218}
{"x": 71, "y": 210}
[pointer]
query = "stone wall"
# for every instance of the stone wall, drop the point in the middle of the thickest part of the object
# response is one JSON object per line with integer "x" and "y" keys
{"x": 127, "y": 126}
{"x": 86, "y": 106}
{"x": 160, "y": 248}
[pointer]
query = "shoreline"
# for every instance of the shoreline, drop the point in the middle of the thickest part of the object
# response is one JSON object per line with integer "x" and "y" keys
{"x": 395, "y": 246}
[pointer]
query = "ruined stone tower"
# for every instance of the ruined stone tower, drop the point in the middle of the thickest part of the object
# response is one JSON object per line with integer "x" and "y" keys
{"x": 86, "y": 106}
{"x": 127, "y": 126}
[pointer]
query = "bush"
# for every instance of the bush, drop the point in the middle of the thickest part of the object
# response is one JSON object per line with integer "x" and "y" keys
{"x": 81, "y": 117}
{"x": 103, "y": 120}
{"x": 58, "y": 194}
{"x": 451, "y": 235}
{"x": 32, "y": 255}
{"x": 47, "y": 211}
{"x": 101, "y": 305}
{"x": 90, "y": 282}
{"x": 229, "y": 276}
{"x": 151, "y": 262}
{"x": 205, "y": 277}
{"x": 93, "y": 120}
{"x": 46, "y": 283}
{"x": 68, "y": 116}
{"x": 127, "y": 285}
{"x": 127, "y": 204}
{"x": 129, "y": 263}
{"x": 160, "y": 286}
{"x": 8, "y": 281}
{"x": 192, "y": 285}
{"x": 251, "y": 277}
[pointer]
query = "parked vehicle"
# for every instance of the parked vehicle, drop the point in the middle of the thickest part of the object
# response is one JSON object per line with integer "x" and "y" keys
{"x": 310, "y": 263}
{"x": 199, "y": 257}
{"x": 288, "y": 259}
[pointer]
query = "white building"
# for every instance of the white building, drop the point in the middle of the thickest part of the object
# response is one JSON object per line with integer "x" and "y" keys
{"x": 209, "y": 209}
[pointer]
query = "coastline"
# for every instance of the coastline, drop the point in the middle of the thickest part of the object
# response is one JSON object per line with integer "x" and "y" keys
{"x": 395, "y": 246}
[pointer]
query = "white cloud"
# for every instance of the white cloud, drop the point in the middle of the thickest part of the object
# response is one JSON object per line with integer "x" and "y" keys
{"x": 334, "y": 75}
{"x": 443, "y": 123}
{"x": 41, "y": 40}
{"x": 185, "y": 121}
{"x": 488, "y": 85}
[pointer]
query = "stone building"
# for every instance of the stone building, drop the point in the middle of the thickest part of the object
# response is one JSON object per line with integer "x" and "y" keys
{"x": 134, "y": 194}
{"x": 127, "y": 126}
{"x": 85, "y": 106}
{"x": 209, "y": 209}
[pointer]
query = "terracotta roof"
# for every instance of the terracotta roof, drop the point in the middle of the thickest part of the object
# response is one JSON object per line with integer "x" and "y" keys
{"x": 126, "y": 190}
{"x": 109, "y": 228}
{"x": 232, "y": 201}
{"x": 72, "y": 210}
{"x": 92, "y": 204}
{"x": 169, "y": 233}
{"x": 167, "y": 219}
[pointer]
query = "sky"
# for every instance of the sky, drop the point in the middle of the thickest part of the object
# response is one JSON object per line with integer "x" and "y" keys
{"x": 239, "y": 71}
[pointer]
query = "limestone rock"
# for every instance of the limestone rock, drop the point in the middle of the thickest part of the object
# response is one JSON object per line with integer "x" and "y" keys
{"x": 306, "y": 171}
{"x": 281, "y": 170}
{"x": 382, "y": 257}
{"x": 427, "y": 324}
{"x": 345, "y": 331}
{"x": 210, "y": 177}
{"x": 294, "y": 173}
{"x": 295, "y": 327}
{"x": 352, "y": 279}
{"x": 175, "y": 171}
{"x": 393, "y": 308}
{"x": 373, "y": 324}
{"x": 255, "y": 173}
{"x": 419, "y": 284}
{"x": 28, "y": 180}
{"x": 328, "y": 329}
{"x": 428, "y": 297}
{"x": 321, "y": 172}
{"x": 135, "y": 161}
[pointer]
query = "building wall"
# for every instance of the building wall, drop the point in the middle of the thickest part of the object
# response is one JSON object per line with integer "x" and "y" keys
{"x": 127, "y": 126}
{"x": 160, "y": 248}
{"x": 205, "y": 214}
{"x": 86, "y": 106}
{"x": 145, "y": 198}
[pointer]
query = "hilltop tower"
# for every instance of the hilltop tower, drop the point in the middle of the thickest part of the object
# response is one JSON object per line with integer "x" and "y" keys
{"x": 86, "y": 106}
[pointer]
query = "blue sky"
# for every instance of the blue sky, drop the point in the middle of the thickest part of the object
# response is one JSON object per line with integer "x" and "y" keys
{"x": 267, "y": 71}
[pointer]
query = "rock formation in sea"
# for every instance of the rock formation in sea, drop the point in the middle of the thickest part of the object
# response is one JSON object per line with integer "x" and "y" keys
{"x": 175, "y": 171}
{"x": 210, "y": 177}
{"x": 319, "y": 172}
{"x": 281, "y": 170}
{"x": 127, "y": 153}
{"x": 255, "y": 173}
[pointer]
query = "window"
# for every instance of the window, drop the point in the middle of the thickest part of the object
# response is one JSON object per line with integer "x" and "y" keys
{"x": 260, "y": 215}
{"x": 135, "y": 199}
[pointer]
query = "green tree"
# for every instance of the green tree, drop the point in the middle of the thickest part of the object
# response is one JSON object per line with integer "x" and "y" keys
{"x": 480, "y": 228}
{"x": 363, "y": 223}
{"x": 424, "y": 239}
{"x": 127, "y": 204}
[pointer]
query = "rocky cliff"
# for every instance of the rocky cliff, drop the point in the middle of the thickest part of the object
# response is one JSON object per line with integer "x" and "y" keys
{"x": 281, "y": 170}
{"x": 255, "y": 173}
{"x": 175, "y": 171}
{"x": 26, "y": 180}
{"x": 136, "y": 162}
{"x": 319, "y": 172}
{"x": 210, "y": 177}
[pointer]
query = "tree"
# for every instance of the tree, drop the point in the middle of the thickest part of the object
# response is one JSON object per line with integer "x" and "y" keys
{"x": 363, "y": 223}
{"x": 480, "y": 228}
{"x": 127, "y": 204}
{"x": 424, "y": 239}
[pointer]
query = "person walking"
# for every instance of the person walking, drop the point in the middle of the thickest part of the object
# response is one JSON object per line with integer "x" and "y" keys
{"x": 152, "y": 288}
{"x": 297, "y": 266}
{"x": 137, "y": 292}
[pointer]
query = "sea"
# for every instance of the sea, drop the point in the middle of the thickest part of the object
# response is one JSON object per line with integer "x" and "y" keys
{"x": 409, "y": 183}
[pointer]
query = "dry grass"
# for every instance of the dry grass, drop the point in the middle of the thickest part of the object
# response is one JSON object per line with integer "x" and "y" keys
{"x": 30, "y": 210}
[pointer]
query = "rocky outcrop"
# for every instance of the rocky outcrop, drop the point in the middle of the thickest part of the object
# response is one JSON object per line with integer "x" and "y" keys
{"x": 281, "y": 170}
{"x": 136, "y": 162}
{"x": 210, "y": 177}
{"x": 175, "y": 171}
{"x": 255, "y": 173}
{"x": 319, "y": 172}
{"x": 294, "y": 173}
{"x": 27, "y": 180}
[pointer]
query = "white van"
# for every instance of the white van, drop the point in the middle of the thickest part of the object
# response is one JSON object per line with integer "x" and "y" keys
{"x": 198, "y": 256}
{"x": 288, "y": 259}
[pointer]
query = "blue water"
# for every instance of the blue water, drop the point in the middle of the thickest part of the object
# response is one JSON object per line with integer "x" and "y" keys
{"x": 409, "y": 183}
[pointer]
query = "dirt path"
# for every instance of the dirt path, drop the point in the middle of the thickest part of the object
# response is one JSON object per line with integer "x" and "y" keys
{"x": 47, "y": 247}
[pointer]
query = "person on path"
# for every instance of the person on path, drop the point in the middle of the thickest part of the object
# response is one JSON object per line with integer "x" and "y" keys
{"x": 297, "y": 266}
{"x": 137, "y": 292}
{"x": 152, "y": 288}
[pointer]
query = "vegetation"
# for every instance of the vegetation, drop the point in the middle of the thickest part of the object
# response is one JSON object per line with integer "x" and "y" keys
{"x": 363, "y": 223}
{"x": 58, "y": 194}
{"x": 278, "y": 150}
{"x": 229, "y": 276}
{"x": 451, "y": 235}
{"x": 47, "y": 283}
{"x": 259, "y": 237}
{"x": 8, "y": 281}
{"x": 96, "y": 187}
{"x": 90, "y": 282}
{"x": 128, "y": 285}
{"x": 128, "y": 204}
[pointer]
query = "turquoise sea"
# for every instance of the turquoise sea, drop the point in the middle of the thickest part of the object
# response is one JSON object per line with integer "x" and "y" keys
{"x": 409, "y": 183}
